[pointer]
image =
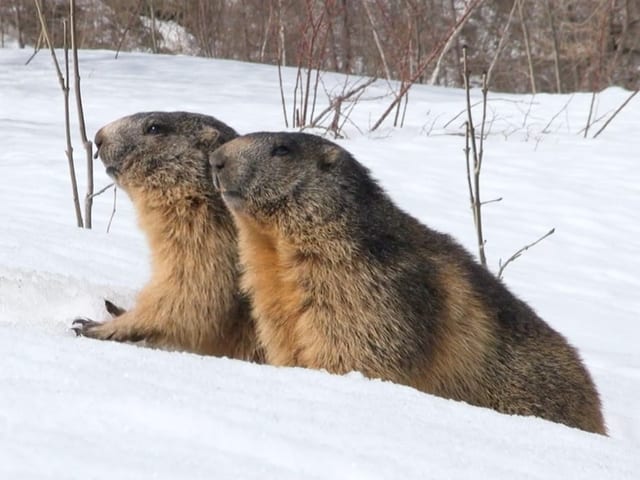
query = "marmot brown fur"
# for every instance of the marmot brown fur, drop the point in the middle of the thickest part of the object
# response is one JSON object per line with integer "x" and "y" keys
{"x": 192, "y": 302}
{"x": 341, "y": 279}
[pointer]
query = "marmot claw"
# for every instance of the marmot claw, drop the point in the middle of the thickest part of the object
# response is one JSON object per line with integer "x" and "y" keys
{"x": 81, "y": 326}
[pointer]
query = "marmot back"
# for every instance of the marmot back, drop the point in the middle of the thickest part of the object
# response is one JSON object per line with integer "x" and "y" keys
{"x": 192, "y": 301}
{"x": 342, "y": 279}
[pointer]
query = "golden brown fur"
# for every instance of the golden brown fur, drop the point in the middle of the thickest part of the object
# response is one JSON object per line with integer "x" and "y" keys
{"x": 341, "y": 279}
{"x": 192, "y": 301}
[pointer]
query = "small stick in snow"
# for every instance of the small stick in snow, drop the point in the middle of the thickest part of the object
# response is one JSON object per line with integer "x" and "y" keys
{"x": 618, "y": 110}
{"x": 566, "y": 105}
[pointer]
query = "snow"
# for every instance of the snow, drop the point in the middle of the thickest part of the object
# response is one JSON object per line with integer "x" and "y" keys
{"x": 173, "y": 36}
{"x": 77, "y": 408}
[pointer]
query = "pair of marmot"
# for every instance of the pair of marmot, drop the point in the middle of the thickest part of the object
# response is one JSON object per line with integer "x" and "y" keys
{"x": 338, "y": 277}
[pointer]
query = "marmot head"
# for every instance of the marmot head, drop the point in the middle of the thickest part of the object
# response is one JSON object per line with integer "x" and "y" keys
{"x": 296, "y": 181}
{"x": 162, "y": 151}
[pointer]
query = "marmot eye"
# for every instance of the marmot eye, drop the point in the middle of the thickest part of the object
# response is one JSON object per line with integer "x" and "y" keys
{"x": 155, "y": 129}
{"x": 280, "y": 151}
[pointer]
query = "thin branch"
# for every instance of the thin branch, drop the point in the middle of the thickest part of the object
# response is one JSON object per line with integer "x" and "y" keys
{"x": 282, "y": 100}
{"x": 495, "y": 200}
{"x": 597, "y": 120}
{"x": 64, "y": 86}
{"x": 503, "y": 38}
{"x": 452, "y": 37}
{"x": 67, "y": 124}
{"x": 566, "y": 105}
{"x": 556, "y": 54}
{"x": 376, "y": 40}
{"x": 467, "y": 150}
{"x": 134, "y": 15}
{"x": 154, "y": 41}
{"x": 593, "y": 101}
{"x": 45, "y": 32}
{"x": 113, "y": 211}
{"x": 461, "y": 112}
{"x": 36, "y": 49}
{"x": 485, "y": 91}
{"x": 624, "y": 104}
{"x": 88, "y": 146}
{"x": 521, "y": 251}
{"x": 104, "y": 189}
{"x": 477, "y": 154}
{"x": 267, "y": 29}
{"x": 527, "y": 46}
{"x": 342, "y": 98}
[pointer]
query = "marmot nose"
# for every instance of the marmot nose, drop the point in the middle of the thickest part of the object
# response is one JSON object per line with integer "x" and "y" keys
{"x": 98, "y": 140}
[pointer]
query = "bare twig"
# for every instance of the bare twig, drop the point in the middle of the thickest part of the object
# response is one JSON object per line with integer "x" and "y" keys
{"x": 452, "y": 37}
{"x": 556, "y": 48}
{"x": 503, "y": 38}
{"x": 103, "y": 189}
{"x": 521, "y": 251}
{"x": 267, "y": 29}
{"x": 566, "y": 105}
{"x": 64, "y": 86}
{"x": 597, "y": 120}
{"x": 281, "y": 35}
{"x": 88, "y": 145}
{"x": 282, "y": 99}
{"x": 45, "y": 32}
{"x": 467, "y": 151}
{"x": 527, "y": 46}
{"x": 113, "y": 211}
{"x": 477, "y": 154}
{"x": 284, "y": 105}
{"x": 339, "y": 99}
{"x": 133, "y": 16}
{"x": 495, "y": 200}
{"x": 618, "y": 110}
{"x": 485, "y": 91}
{"x": 376, "y": 40}
{"x": 36, "y": 49}
{"x": 593, "y": 101}
{"x": 460, "y": 113}
{"x": 154, "y": 41}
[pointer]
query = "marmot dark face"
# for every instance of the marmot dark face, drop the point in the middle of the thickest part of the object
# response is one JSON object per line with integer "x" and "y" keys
{"x": 161, "y": 150}
{"x": 298, "y": 178}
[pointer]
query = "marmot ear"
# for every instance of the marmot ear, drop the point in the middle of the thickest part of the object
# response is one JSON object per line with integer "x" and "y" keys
{"x": 208, "y": 136}
{"x": 332, "y": 154}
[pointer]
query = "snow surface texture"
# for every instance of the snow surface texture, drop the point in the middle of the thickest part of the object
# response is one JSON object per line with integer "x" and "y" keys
{"x": 77, "y": 408}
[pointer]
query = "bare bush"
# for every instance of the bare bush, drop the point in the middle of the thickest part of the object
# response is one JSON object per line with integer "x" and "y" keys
{"x": 567, "y": 45}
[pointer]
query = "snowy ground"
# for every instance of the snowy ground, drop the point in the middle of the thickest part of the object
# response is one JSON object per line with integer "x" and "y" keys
{"x": 76, "y": 408}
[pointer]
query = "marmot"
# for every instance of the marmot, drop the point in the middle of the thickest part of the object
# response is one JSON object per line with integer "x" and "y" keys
{"x": 193, "y": 301}
{"x": 341, "y": 279}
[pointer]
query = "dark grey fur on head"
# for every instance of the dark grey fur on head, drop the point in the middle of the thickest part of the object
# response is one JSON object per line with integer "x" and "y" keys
{"x": 160, "y": 149}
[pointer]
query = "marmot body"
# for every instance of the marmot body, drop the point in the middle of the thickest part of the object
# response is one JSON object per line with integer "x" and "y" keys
{"x": 341, "y": 279}
{"x": 193, "y": 301}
